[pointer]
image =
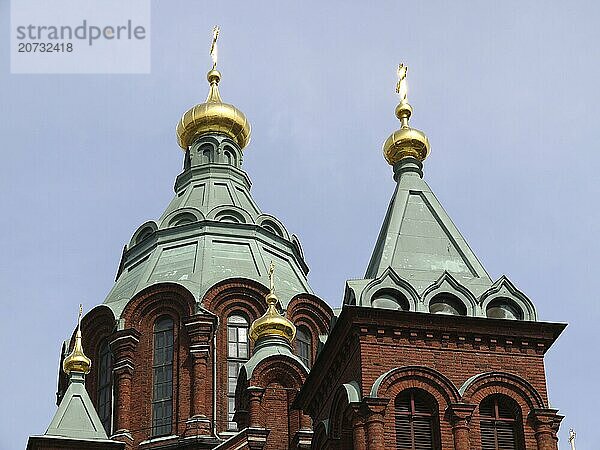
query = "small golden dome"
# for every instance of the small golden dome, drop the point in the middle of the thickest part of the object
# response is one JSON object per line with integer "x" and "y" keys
{"x": 405, "y": 142}
{"x": 272, "y": 323}
{"x": 77, "y": 361}
{"x": 213, "y": 116}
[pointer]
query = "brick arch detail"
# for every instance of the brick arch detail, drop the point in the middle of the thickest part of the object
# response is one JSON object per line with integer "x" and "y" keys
{"x": 311, "y": 308}
{"x": 509, "y": 385}
{"x": 313, "y": 313}
{"x": 513, "y": 386}
{"x": 389, "y": 384}
{"x": 158, "y": 299}
{"x": 242, "y": 291}
{"x": 279, "y": 369}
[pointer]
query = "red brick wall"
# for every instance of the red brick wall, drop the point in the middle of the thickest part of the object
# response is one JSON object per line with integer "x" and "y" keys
{"x": 445, "y": 352}
{"x": 234, "y": 295}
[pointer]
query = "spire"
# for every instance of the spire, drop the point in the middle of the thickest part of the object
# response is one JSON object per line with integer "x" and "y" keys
{"x": 406, "y": 142}
{"x": 77, "y": 361}
{"x": 213, "y": 116}
{"x": 272, "y": 324}
{"x": 418, "y": 242}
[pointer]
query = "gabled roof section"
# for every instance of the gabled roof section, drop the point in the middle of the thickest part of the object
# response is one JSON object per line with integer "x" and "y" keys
{"x": 76, "y": 416}
{"x": 418, "y": 240}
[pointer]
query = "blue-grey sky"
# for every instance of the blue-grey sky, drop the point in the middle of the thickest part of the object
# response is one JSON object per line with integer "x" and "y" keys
{"x": 506, "y": 91}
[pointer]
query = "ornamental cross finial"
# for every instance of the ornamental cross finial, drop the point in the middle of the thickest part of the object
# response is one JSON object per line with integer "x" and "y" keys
{"x": 272, "y": 277}
{"x": 401, "y": 86}
{"x": 572, "y": 436}
{"x": 213, "y": 48}
{"x": 80, "y": 314}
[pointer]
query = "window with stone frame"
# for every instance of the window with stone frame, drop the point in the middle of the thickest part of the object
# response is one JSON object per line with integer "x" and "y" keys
{"x": 304, "y": 345}
{"x": 104, "y": 394}
{"x": 237, "y": 354}
{"x": 499, "y": 422}
{"x": 162, "y": 377}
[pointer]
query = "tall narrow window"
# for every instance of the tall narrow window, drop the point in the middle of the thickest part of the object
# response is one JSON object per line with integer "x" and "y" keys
{"x": 499, "y": 417}
{"x": 237, "y": 354}
{"x": 304, "y": 345}
{"x": 162, "y": 381}
{"x": 414, "y": 417}
{"x": 104, "y": 393}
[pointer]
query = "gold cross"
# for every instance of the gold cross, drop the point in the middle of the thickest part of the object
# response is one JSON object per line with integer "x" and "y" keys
{"x": 401, "y": 86}
{"x": 213, "y": 48}
{"x": 272, "y": 277}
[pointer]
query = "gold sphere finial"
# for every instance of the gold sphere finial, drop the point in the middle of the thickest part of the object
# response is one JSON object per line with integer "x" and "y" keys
{"x": 77, "y": 361}
{"x": 213, "y": 116}
{"x": 405, "y": 142}
{"x": 271, "y": 323}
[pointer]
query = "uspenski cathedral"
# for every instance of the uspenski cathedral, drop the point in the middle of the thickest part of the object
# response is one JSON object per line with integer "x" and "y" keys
{"x": 212, "y": 338}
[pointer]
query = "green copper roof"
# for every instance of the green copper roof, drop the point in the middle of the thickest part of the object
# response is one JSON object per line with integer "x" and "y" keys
{"x": 419, "y": 240}
{"x": 76, "y": 417}
{"x": 420, "y": 253}
{"x": 267, "y": 348}
{"x": 211, "y": 231}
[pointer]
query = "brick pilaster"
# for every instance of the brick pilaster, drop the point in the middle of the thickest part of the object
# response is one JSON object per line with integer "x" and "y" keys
{"x": 123, "y": 346}
{"x": 373, "y": 410}
{"x": 460, "y": 415}
{"x": 546, "y": 423}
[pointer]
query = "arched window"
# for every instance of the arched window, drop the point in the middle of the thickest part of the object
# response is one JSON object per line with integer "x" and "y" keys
{"x": 499, "y": 418}
{"x": 304, "y": 345}
{"x": 206, "y": 154}
{"x": 237, "y": 354}
{"x": 448, "y": 304}
{"x": 415, "y": 416}
{"x": 104, "y": 392}
{"x": 162, "y": 377}
{"x": 390, "y": 299}
{"x": 503, "y": 308}
{"x": 228, "y": 157}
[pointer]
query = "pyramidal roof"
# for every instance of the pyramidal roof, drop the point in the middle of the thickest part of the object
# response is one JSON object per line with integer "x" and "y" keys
{"x": 419, "y": 240}
{"x": 76, "y": 416}
{"x": 420, "y": 261}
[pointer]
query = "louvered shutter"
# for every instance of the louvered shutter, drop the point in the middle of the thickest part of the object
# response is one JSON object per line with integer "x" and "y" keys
{"x": 413, "y": 420}
{"x": 497, "y": 425}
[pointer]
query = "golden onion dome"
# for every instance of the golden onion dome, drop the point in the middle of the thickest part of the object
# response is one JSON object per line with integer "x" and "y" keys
{"x": 213, "y": 116}
{"x": 405, "y": 142}
{"x": 272, "y": 323}
{"x": 76, "y": 361}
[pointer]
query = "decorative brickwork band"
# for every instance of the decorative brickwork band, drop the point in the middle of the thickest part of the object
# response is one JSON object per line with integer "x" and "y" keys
{"x": 546, "y": 423}
{"x": 460, "y": 414}
{"x": 123, "y": 348}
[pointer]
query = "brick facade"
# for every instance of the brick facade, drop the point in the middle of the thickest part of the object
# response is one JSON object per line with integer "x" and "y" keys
{"x": 375, "y": 354}
{"x": 200, "y": 341}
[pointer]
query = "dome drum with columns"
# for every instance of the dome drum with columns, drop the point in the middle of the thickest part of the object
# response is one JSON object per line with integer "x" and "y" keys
{"x": 212, "y": 229}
